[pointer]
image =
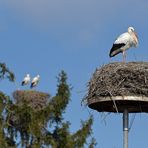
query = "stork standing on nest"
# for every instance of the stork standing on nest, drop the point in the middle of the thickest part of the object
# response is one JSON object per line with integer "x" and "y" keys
{"x": 35, "y": 81}
{"x": 26, "y": 80}
{"x": 123, "y": 42}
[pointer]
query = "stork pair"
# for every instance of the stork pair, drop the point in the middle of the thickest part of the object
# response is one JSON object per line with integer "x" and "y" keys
{"x": 34, "y": 81}
{"x": 123, "y": 42}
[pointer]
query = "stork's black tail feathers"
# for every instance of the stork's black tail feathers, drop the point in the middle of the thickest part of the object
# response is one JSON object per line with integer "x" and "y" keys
{"x": 23, "y": 83}
{"x": 32, "y": 85}
{"x": 116, "y": 48}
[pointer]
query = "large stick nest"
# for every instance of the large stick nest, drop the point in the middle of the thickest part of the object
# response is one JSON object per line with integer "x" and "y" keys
{"x": 119, "y": 79}
{"x": 35, "y": 99}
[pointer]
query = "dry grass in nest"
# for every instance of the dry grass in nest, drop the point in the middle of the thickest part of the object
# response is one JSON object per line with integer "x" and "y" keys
{"x": 35, "y": 99}
{"x": 119, "y": 79}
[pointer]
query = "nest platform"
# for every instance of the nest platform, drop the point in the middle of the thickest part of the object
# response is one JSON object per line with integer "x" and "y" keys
{"x": 122, "y": 84}
{"x": 35, "y": 99}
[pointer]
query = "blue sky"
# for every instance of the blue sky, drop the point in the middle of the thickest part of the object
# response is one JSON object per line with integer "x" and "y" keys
{"x": 45, "y": 36}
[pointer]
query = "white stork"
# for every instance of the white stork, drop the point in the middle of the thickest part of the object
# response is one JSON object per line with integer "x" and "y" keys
{"x": 35, "y": 81}
{"x": 123, "y": 42}
{"x": 26, "y": 79}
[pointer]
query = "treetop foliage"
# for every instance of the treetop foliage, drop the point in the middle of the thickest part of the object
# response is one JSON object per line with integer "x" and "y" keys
{"x": 33, "y": 119}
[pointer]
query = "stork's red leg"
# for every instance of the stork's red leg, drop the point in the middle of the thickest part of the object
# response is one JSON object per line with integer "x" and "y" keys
{"x": 124, "y": 56}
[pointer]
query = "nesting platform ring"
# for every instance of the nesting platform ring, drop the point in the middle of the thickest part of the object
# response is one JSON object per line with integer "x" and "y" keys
{"x": 134, "y": 104}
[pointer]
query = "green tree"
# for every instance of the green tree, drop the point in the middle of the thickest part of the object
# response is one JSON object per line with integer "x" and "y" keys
{"x": 5, "y": 73}
{"x": 35, "y": 119}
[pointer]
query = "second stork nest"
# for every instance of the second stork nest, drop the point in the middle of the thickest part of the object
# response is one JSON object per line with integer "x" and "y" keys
{"x": 119, "y": 79}
{"x": 35, "y": 99}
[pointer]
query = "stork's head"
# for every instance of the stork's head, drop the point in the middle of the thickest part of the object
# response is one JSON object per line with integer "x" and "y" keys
{"x": 131, "y": 29}
{"x": 38, "y": 76}
{"x": 28, "y": 75}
